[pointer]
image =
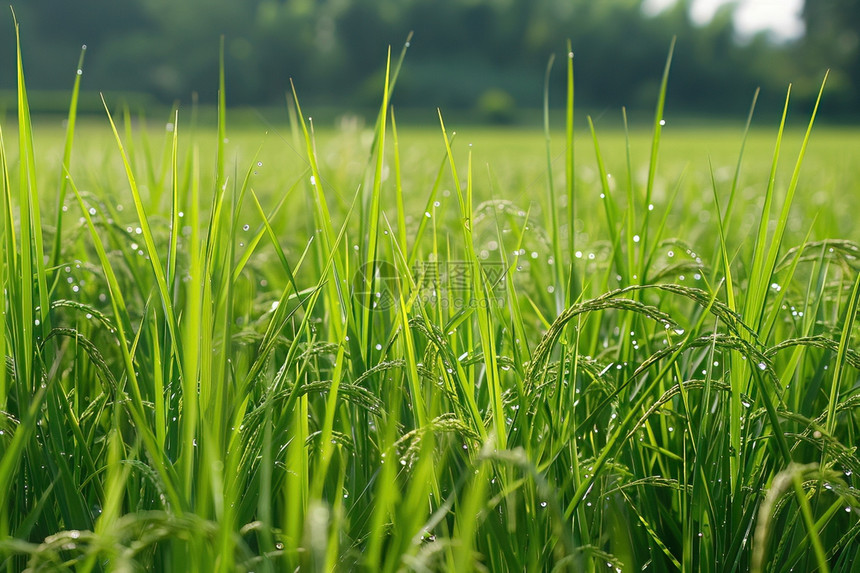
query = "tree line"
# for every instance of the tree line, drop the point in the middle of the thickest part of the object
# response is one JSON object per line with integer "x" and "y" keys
{"x": 464, "y": 53}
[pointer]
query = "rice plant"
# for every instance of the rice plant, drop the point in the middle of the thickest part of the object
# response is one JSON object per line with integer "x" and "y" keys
{"x": 305, "y": 351}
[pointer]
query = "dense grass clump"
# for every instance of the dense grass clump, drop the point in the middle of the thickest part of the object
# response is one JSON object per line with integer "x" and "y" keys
{"x": 386, "y": 357}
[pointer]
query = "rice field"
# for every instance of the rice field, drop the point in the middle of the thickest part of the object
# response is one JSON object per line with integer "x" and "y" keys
{"x": 364, "y": 347}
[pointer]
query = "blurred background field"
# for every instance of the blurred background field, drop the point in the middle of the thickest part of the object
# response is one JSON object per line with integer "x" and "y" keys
{"x": 510, "y": 162}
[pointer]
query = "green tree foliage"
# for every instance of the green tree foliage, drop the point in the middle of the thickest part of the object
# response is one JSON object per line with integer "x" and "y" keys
{"x": 833, "y": 40}
{"x": 462, "y": 49}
